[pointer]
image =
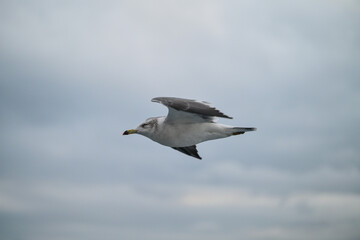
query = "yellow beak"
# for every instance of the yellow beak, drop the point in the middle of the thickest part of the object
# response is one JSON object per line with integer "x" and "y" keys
{"x": 131, "y": 131}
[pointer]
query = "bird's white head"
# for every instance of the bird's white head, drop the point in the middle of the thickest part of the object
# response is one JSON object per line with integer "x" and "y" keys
{"x": 146, "y": 129}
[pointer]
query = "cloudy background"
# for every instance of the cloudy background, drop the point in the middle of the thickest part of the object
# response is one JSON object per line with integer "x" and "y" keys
{"x": 75, "y": 74}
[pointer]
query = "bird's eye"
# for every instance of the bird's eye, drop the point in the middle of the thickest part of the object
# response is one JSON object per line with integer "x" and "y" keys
{"x": 144, "y": 125}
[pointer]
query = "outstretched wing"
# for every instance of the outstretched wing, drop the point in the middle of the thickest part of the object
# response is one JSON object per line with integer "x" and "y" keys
{"x": 191, "y": 151}
{"x": 186, "y": 110}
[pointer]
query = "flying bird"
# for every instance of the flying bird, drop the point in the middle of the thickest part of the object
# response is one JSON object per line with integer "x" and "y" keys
{"x": 188, "y": 123}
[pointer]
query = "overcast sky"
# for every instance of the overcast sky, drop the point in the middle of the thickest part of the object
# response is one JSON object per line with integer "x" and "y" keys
{"x": 75, "y": 74}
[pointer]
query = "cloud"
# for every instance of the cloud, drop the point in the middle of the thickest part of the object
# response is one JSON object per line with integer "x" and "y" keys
{"x": 75, "y": 75}
{"x": 199, "y": 210}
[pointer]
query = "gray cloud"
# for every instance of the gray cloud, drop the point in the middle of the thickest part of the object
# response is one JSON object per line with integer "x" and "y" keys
{"x": 75, "y": 75}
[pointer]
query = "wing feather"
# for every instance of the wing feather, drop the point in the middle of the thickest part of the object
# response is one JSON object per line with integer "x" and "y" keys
{"x": 191, "y": 151}
{"x": 189, "y": 110}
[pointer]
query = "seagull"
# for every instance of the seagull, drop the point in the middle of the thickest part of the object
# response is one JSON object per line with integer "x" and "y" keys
{"x": 188, "y": 123}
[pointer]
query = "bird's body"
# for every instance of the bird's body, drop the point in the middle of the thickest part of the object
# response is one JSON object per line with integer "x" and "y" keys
{"x": 187, "y": 134}
{"x": 188, "y": 123}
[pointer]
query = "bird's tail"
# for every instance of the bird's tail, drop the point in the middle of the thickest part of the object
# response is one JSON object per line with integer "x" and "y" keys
{"x": 241, "y": 130}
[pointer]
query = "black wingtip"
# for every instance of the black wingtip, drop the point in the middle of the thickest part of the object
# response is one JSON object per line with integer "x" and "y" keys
{"x": 195, "y": 156}
{"x": 190, "y": 150}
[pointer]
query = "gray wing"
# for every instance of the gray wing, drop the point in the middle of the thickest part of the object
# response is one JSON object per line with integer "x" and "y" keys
{"x": 191, "y": 151}
{"x": 201, "y": 109}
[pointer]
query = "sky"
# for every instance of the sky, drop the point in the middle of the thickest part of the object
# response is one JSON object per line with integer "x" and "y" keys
{"x": 75, "y": 74}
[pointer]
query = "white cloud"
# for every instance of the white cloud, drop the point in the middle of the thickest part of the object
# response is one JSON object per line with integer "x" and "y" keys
{"x": 220, "y": 197}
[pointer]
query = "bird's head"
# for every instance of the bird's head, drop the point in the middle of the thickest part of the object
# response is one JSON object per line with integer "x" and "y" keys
{"x": 147, "y": 128}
